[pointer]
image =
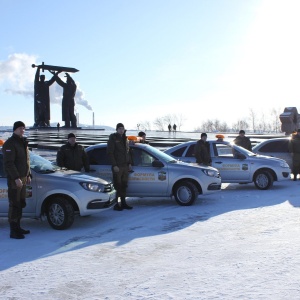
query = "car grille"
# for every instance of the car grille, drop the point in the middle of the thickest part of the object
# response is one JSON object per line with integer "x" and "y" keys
{"x": 109, "y": 188}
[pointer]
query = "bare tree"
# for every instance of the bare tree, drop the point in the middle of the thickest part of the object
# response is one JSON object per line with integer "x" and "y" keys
{"x": 275, "y": 113}
{"x": 240, "y": 124}
{"x": 159, "y": 123}
{"x": 146, "y": 125}
{"x": 253, "y": 119}
{"x": 179, "y": 119}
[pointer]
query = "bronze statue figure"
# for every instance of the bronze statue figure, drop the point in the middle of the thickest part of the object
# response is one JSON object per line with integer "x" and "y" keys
{"x": 68, "y": 101}
{"x": 41, "y": 100}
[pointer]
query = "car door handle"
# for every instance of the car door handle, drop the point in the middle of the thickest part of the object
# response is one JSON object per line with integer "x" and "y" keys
{"x": 130, "y": 171}
{"x": 218, "y": 162}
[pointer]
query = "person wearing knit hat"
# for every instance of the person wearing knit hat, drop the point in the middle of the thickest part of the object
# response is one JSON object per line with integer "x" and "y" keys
{"x": 243, "y": 141}
{"x": 72, "y": 156}
{"x": 118, "y": 151}
{"x": 18, "y": 124}
{"x": 142, "y": 135}
{"x": 16, "y": 162}
{"x": 202, "y": 151}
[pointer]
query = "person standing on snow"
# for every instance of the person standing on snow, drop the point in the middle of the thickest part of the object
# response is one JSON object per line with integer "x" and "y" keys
{"x": 118, "y": 151}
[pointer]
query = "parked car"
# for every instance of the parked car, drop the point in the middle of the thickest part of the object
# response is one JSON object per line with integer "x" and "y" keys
{"x": 156, "y": 174}
{"x": 59, "y": 194}
{"x": 276, "y": 147}
{"x": 236, "y": 164}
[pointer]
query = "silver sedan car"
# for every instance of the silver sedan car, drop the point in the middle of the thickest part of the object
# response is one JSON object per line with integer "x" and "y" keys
{"x": 156, "y": 174}
{"x": 276, "y": 147}
{"x": 236, "y": 164}
{"x": 59, "y": 194}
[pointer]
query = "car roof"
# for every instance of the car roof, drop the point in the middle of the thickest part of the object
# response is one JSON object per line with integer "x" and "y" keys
{"x": 103, "y": 145}
{"x": 270, "y": 141}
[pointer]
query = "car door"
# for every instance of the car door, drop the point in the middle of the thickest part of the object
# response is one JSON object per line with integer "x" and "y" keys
{"x": 225, "y": 159}
{"x": 3, "y": 190}
{"x": 277, "y": 148}
{"x": 144, "y": 179}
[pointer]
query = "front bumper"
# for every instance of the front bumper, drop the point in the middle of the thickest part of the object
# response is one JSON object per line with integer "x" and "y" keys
{"x": 99, "y": 204}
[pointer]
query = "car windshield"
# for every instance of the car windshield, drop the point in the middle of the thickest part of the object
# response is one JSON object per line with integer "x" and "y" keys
{"x": 41, "y": 165}
{"x": 242, "y": 150}
{"x": 162, "y": 156}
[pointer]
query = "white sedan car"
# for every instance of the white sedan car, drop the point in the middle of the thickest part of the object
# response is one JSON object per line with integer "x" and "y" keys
{"x": 236, "y": 164}
{"x": 59, "y": 194}
{"x": 156, "y": 174}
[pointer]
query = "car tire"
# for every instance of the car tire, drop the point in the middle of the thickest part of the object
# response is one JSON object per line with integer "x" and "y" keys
{"x": 60, "y": 213}
{"x": 263, "y": 180}
{"x": 185, "y": 193}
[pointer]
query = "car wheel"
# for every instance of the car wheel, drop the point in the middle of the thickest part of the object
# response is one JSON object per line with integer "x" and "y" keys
{"x": 60, "y": 213}
{"x": 185, "y": 193}
{"x": 263, "y": 180}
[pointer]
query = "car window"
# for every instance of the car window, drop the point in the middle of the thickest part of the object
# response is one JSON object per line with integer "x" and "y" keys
{"x": 191, "y": 151}
{"x": 98, "y": 156}
{"x": 224, "y": 150}
{"x": 178, "y": 152}
{"x": 141, "y": 158}
{"x": 275, "y": 146}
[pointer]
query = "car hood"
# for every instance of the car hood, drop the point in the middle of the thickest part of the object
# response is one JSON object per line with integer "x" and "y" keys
{"x": 78, "y": 176}
{"x": 267, "y": 158}
{"x": 193, "y": 165}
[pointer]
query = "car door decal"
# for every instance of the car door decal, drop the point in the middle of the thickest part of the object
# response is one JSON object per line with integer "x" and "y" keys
{"x": 139, "y": 176}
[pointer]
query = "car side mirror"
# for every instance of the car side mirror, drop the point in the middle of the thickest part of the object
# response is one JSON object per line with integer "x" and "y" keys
{"x": 157, "y": 164}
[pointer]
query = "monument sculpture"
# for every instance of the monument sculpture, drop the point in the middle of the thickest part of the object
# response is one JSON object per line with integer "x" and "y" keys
{"x": 290, "y": 120}
{"x": 42, "y": 97}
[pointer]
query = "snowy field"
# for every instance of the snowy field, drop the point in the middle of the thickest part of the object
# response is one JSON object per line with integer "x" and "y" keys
{"x": 240, "y": 243}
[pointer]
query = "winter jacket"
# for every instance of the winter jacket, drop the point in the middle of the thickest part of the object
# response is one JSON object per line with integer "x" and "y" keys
{"x": 16, "y": 159}
{"x": 118, "y": 150}
{"x": 72, "y": 157}
{"x": 202, "y": 153}
{"x": 243, "y": 142}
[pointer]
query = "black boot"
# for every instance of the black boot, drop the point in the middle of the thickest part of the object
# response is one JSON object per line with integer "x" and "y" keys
{"x": 124, "y": 204}
{"x": 118, "y": 207}
{"x": 14, "y": 233}
{"x": 295, "y": 177}
{"x": 21, "y": 230}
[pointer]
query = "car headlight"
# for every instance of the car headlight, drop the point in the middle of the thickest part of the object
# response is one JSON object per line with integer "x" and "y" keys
{"x": 284, "y": 164}
{"x": 92, "y": 187}
{"x": 211, "y": 173}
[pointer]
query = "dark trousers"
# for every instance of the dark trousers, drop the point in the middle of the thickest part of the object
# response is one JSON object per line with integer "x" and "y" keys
{"x": 17, "y": 200}
{"x": 120, "y": 180}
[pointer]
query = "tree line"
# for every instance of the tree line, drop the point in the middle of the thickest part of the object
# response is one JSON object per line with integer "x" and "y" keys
{"x": 257, "y": 123}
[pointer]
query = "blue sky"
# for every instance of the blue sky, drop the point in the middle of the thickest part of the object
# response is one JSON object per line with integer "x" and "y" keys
{"x": 139, "y": 60}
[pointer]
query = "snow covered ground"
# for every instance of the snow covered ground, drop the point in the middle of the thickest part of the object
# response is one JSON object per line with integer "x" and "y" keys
{"x": 240, "y": 243}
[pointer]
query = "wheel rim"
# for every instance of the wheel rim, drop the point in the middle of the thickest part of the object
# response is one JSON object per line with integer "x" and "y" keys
{"x": 184, "y": 194}
{"x": 262, "y": 180}
{"x": 56, "y": 214}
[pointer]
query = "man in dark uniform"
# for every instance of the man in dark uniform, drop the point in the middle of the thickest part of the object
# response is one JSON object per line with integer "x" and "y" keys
{"x": 118, "y": 151}
{"x": 243, "y": 141}
{"x": 17, "y": 167}
{"x": 294, "y": 148}
{"x": 202, "y": 151}
{"x": 72, "y": 155}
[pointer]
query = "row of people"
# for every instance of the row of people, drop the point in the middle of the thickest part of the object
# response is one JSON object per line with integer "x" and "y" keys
{"x": 202, "y": 148}
{"x": 71, "y": 156}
